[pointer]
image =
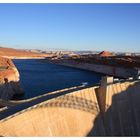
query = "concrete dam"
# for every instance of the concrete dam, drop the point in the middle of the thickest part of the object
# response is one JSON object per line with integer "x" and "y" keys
{"x": 110, "y": 109}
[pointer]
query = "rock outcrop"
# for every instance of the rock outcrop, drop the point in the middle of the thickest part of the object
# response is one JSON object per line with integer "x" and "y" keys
{"x": 105, "y": 54}
{"x": 9, "y": 79}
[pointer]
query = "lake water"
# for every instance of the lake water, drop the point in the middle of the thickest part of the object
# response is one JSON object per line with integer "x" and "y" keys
{"x": 38, "y": 77}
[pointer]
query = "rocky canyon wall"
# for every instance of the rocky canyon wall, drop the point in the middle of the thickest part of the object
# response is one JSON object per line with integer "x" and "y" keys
{"x": 104, "y": 69}
{"x": 9, "y": 79}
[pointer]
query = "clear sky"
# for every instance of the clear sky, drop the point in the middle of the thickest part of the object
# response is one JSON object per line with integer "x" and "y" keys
{"x": 113, "y": 27}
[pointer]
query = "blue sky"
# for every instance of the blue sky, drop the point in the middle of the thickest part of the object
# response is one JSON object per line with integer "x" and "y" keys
{"x": 113, "y": 27}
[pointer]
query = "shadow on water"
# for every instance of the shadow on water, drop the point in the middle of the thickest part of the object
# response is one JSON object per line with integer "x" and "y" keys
{"x": 123, "y": 117}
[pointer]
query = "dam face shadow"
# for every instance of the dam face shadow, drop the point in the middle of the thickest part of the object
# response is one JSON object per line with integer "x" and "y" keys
{"x": 122, "y": 118}
{"x": 70, "y": 101}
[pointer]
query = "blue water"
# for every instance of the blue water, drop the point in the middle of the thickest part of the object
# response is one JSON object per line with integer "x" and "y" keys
{"x": 38, "y": 77}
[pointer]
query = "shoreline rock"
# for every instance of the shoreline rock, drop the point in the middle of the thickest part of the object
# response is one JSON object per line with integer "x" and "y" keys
{"x": 9, "y": 80}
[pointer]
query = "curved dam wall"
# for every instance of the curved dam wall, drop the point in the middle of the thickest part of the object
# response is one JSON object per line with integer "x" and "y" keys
{"x": 113, "y": 109}
{"x": 68, "y": 115}
{"x": 9, "y": 79}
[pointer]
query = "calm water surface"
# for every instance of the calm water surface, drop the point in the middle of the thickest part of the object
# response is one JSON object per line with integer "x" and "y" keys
{"x": 38, "y": 77}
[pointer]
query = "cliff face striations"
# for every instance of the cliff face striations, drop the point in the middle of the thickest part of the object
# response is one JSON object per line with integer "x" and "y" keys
{"x": 9, "y": 79}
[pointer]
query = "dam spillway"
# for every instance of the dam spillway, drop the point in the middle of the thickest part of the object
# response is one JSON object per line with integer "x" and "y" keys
{"x": 111, "y": 109}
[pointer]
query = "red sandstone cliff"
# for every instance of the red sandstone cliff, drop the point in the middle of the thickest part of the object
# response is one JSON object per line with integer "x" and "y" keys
{"x": 9, "y": 79}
